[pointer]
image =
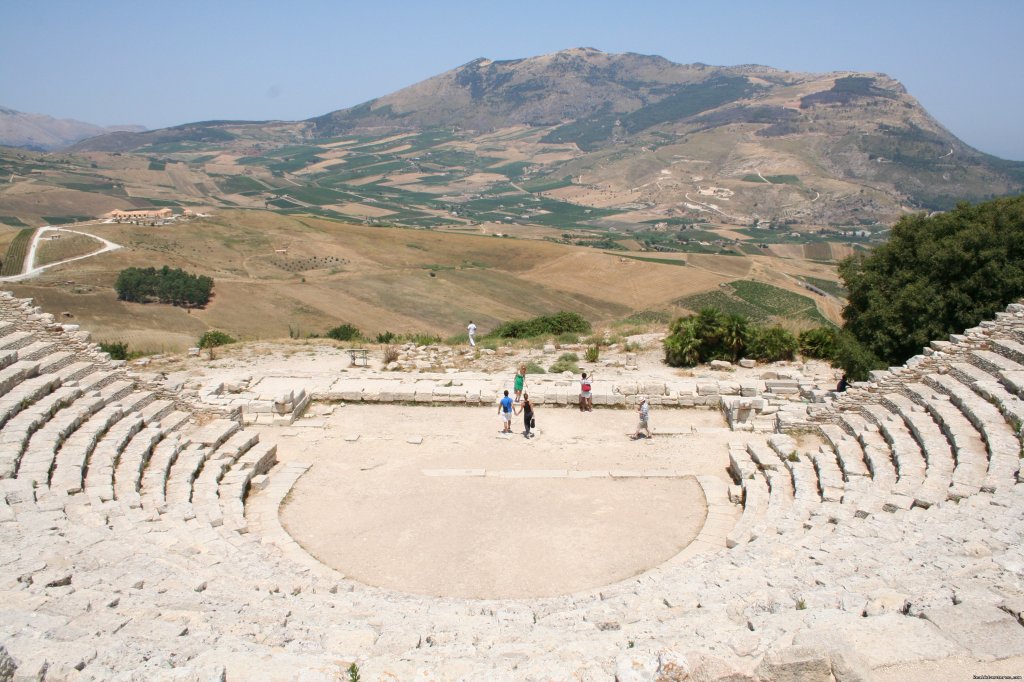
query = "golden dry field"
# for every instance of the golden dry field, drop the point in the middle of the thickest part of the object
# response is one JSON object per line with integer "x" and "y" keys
{"x": 277, "y": 275}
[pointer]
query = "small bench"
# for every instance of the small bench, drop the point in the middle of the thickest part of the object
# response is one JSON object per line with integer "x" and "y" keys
{"x": 358, "y": 356}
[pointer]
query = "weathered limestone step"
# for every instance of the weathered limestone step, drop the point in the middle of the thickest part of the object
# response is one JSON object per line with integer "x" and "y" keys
{"x": 989, "y": 388}
{"x": 154, "y": 479}
{"x": 37, "y": 350}
{"x": 175, "y": 421}
{"x": 847, "y": 450}
{"x": 214, "y": 433}
{"x": 98, "y": 380}
{"x": 910, "y": 464}
{"x": 933, "y": 445}
{"x": 262, "y": 513}
{"x": 6, "y": 326}
{"x": 806, "y": 491}
{"x": 8, "y": 358}
{"x": 129, "y": 467}
{"x": 1002, "y": 444}
{"x": 16, "y": 340}
{"x": 16, "y": 433}
{"x": 877, "y": 455}
{"x": 74, "y": 452}
{"x": 1006, "y": 371}
{"x": 205, "y": 500}
{"x": 54, "y": 362}
{"x": 1008, "y": 348}
{"x": 25, "y": 394}
{"x": 234, "y": 486}
{"x": 75, "y": 371}
{"x": 741, "y": 467}
{"x": 755, "y": 506}
{"x": 99, "y": 478}
{"x": 765, "y": 458}
{"x": 968, "y": 447}
{"x": 830, "y": 477}
{"x": 118, "y": 389}
{"x": 156, "y": 410}
{"x": 183, "y": 474}
{"x": 780, "y": 503}
{"x": 37, "y": 461}
{"x": 15, "y": 373}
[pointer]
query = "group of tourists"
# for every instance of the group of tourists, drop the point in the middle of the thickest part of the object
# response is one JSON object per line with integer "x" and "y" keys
{"x": 520, "y": 404}
{"x": 510, "y": 406}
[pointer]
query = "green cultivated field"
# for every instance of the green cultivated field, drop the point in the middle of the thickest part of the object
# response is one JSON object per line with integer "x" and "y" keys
{"x": 14, "y": 261}
{"x": 756, "y": 300}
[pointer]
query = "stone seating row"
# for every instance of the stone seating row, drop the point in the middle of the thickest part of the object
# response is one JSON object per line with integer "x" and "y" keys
{"x": 73, "y": 429}
{"x": 167, "y": 595}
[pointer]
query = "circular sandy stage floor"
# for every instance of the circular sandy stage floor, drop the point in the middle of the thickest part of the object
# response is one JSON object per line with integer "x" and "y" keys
{"x": 470, "y": 513}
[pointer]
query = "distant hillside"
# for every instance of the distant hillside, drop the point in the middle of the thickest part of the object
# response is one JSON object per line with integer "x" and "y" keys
{"x": 45, "y": 133}
{"x": 631, "y": 138}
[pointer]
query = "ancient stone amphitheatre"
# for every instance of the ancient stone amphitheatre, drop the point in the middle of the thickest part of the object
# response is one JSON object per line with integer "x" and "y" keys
{"x": 242, "y": 524}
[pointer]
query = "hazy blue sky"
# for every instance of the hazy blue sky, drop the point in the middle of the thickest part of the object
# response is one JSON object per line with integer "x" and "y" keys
{"x": 164, "y": 63}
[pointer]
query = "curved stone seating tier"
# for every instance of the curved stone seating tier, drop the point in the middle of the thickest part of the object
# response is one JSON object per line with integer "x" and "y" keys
{"x": 1001, "y": 442}
{"x": 234, "y": 485}
{"x": 1009, "y": 373}
{"x": 97, "y": 474}
{"x": 14, "y": 438}
{"x": 877, "y": 455}
{"x": 968, "y": 447}
{"x": 14, "y": 373}
{"x": 128, "y": 468}
{"x": 932, "y": 445}
{"x": 830, "y": 478}
{"x": 985, "y": 385}
{"x": 205, "y": 498}
{"x": 906, "y": 453}
{"x": 153, "y": 490}
{"x": 73, "y": 454}
{"x": 16, "y": 340}
{"x": 848, "y": 451}
{"x": 37, "y": 350}
{"x": 174, "y": 565}
{"x": 29, "y": 391}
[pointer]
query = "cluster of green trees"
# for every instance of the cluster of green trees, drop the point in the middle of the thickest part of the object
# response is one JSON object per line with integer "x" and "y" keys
{"x": 935, "y": 276}
{"x": 713, "y": 335}
{"x": 166, "y": 285}
{"x": 559, "y": 323}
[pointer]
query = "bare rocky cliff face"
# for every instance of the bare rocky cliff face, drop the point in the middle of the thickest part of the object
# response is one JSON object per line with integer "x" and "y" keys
{"x": 45, "y": 133}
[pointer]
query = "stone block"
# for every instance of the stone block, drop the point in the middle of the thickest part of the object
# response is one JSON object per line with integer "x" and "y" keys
{"x": 988, "y": 632}
{"x": 796, "y": 664}
{"x": 705, "y": 388}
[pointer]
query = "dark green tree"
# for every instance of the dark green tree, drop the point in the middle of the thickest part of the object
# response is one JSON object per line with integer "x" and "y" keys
{"x": 771, "y": 344}
{"x": 819, "y": 342}
{"x": 935, "y": 276}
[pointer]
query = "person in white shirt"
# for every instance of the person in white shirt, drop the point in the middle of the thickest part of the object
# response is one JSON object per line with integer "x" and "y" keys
{"x": 644, "y": 411}
{"x": 472, "y": 333}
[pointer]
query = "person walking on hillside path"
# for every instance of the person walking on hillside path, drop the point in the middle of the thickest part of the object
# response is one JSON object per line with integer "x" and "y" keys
{"x": 520, "y": 381}
{"x": 526, "y": 409}
{"x": 505, "y": 410}
{"x": 586, "y": 396}
{"x": 471, "y": 330}
{"x": 644, "y": 411}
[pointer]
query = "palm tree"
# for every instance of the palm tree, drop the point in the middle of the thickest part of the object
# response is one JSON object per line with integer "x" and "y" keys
{"x": 735, "y": 334}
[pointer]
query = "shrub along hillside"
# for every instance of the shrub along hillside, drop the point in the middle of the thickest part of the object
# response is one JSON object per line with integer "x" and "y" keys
{"x": 935, "y": 276}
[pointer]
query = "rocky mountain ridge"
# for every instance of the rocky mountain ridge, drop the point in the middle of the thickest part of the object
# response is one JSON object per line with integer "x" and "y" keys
{"x": 39, "y": 132}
